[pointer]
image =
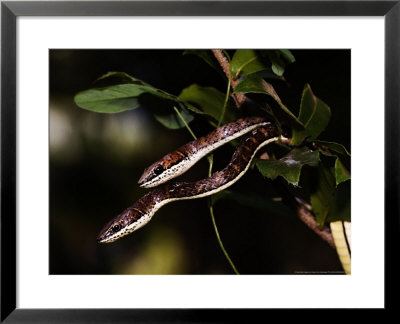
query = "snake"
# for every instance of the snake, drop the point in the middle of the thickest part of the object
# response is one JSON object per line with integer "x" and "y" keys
{"x": 259, "y": 132}
{"x": 341, "y": 233}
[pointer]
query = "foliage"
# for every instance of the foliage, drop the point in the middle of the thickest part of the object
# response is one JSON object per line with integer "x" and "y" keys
{"x": 318, "y": 167}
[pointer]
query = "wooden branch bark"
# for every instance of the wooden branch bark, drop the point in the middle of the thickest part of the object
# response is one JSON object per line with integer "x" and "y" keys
{"x": 306, "y": 216}
{"x": 239, "y": 98}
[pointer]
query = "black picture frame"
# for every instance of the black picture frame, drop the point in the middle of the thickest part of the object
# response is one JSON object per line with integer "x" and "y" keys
{"x": 10, "y": 10}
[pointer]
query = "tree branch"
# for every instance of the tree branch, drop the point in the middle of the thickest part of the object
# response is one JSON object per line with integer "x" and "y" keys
{"x": 239, "y": 98}
{"x": 304, "y": 212}
{"x": 306, "y": 216}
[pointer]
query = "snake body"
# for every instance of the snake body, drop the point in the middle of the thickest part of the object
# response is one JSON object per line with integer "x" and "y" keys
{"x": 140, "y": 213}
{"x": 183, "y": 158}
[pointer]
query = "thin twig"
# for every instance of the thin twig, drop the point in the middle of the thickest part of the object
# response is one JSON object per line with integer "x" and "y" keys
{"x": 211, "y": 209}
{"x": 220, "y": 242}
{"x": 239, "y": 98}
{"x": 185, "y": 123}
{"x": 221, "y": 117}
{"x": 306, "y": 216}
{"x": 210, "y": 206}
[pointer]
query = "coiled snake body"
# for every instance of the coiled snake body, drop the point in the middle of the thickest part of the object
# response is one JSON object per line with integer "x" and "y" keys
{"x": 179, "y": 161}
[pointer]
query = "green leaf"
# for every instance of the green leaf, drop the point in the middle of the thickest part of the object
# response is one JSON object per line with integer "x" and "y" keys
{"x": 314, "y": 113}
{"x": 287, "y": 55}
{"x": 341, "y": 173}
{"x": 335, "y": 147}
{"x": 307, "y": 105}
{"x": 278, "y": 65}
{"x": 245, "y": 61}
{"x": 254, "y": 201}
{"x": 135, "y": 93}
{"x": 121, "y": 76}
{"x": 323, "y": 193}
{"x": 164, "y": 112}
{"x": 210, "y": 101}
{"x": 268, "y": 75}
{"x": 279, "y": 60}
{"x": 341, "y": 206}
{"x": 111, "y": 99}
{"x": 342, "y": 159}
{"x": 121, "y": 97}
{"x": 319, "y": 120}
{"x": 255, "y": 84}
{"x": 289, "y": 166}
{"x": 172, "y": 120}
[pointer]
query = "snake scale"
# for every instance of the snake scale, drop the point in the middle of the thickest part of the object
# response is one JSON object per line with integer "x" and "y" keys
{"x": 260, "y": 133}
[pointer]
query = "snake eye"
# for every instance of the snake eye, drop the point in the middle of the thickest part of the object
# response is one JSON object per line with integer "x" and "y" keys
{"x": 158, "y": 170}
{"x": 116, "y": 228}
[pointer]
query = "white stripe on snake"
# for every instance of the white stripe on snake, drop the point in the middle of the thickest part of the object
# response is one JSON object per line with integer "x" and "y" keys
{"x": 341, "y": 232}
{"x": 179, "y": 161}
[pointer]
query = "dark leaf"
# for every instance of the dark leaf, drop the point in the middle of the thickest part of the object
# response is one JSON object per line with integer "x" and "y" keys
{"x": 342, "y": 162}
{"x": 278, "y": 60}
{"x": 246, "y": 61}
{"x": 341, "y": 206}
{"x": 172, "y": 120}
{"x": 255, "y": 84}
{"x": 335, "y": 147}
{"x": 289, "y": 166}
{"x": 210, "y": 101}
{"x": 322, "y": 196}
{"x": 314, "y": 115}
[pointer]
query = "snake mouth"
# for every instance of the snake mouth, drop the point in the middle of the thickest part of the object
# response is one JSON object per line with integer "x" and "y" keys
{"x": 148, "y": 184}
{"x": 143, "y": 183}
{"x": 147, "y": 176}
{"x": 105, "y": 234}
{"x": 105, "y": 238}
{"x": 101, "y": 238}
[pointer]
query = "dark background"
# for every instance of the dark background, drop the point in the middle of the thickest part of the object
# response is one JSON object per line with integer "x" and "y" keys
{"x": 96, "y": 160}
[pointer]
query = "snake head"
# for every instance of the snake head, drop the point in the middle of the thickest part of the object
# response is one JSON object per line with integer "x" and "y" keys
{"x": 123, "y": 224}
{"x": 152, "y": 175}
{"x": 170, "y": 166}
